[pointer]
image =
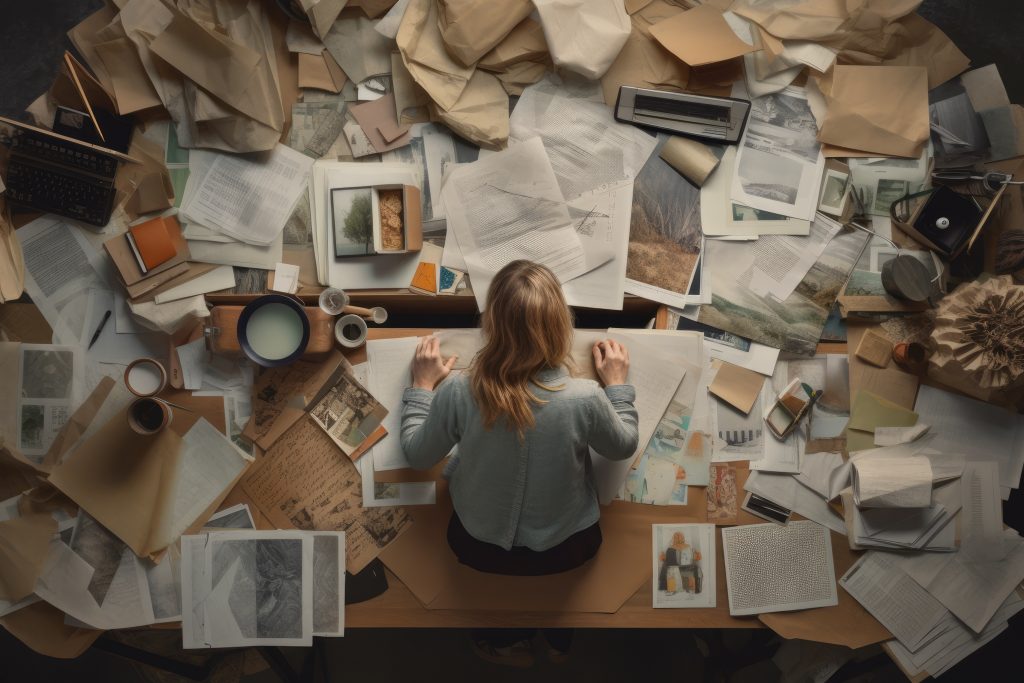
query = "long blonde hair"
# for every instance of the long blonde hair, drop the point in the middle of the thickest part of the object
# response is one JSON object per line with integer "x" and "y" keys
{"x": 527, "y": 327}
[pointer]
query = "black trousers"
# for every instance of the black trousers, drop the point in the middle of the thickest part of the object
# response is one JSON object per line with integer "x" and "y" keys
{"x": 521, "y": 561}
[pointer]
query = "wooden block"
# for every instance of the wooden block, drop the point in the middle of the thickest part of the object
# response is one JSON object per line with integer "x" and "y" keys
{"x": 874, "y": 349}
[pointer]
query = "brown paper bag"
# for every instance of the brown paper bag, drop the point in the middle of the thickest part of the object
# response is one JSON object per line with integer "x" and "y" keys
{"x": 24, "y": 542}
{"x": 423, "y": 51}
{"x": 481, "y": 114}
{"x": 470, "y": 28}
{"x": 525, "y": 43}
{"x": 700, "y": 36}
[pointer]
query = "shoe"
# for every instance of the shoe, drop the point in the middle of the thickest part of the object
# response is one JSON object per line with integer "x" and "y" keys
{"x": 518, "y": 655}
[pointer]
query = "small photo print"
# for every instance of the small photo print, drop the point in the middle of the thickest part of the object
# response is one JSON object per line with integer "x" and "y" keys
{"x": 47, "y": 374}
{"x": 833, "y": 192}
{"x": 352, "y": 218}
{"x": 683, "y": 565}
{"x": 888, "y": 192}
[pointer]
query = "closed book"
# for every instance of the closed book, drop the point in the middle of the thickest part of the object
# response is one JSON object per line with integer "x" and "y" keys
{"x": 128, "y": 268}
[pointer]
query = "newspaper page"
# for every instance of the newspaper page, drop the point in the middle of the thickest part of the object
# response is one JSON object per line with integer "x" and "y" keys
{"x": 323, "y": 491}
{"x": 779, "y": 163}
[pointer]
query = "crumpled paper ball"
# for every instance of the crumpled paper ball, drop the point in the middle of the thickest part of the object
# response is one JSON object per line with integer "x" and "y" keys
{"x": 979, "y": 330}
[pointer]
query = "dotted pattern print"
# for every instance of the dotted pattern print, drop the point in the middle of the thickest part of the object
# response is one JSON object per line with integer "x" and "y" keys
{"x": 773, "y": 568}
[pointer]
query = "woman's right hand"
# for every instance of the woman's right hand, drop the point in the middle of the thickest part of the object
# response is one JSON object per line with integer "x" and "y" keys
{"x": 611, "y": 359}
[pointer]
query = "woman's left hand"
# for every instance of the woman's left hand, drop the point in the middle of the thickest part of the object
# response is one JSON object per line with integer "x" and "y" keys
{"x": 428, "y": 369}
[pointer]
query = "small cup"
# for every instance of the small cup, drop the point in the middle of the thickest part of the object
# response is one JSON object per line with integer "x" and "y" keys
{"x": 379, "y": 315}
{"x": 145, "y": 377}
{"x": 148, "y": 415}
{"x": 350, "y": 331}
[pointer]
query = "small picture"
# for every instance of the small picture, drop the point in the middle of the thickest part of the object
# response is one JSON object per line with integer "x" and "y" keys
{"x": 888, "y": 192}
{"x": 46, "y": 374}
{"x": 348, "y": 413}
{"x": 683, "y": 565}
{"x": 738, "y": 436}
{"x": 352, "y": 216}
{"x": 721, "y": 497}
{"x": 33, "y": 426}
{"x": 833, "y": 192}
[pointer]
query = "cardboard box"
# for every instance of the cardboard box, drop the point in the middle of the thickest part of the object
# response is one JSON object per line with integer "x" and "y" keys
{"x": 411, "y": 231}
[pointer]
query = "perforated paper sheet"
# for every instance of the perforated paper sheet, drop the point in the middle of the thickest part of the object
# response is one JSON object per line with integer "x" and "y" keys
{"x": 776, "y": 568}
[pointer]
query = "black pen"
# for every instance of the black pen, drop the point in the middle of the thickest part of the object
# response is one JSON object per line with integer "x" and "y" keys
{"x": 96, "y": 334}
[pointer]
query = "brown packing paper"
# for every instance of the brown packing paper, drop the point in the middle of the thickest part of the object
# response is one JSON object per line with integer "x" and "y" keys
{"x": 131, "y": 86}
{"x": 410, "y": 99}
{"x": 407, "y": 474}
{"x": 10, "y": 427}
{"x": 315, "y": 73}
{"x": 24, "y": 323}
{"x": 322, "y": 14}
{"x": 126, "y": 481}
{"x": 878, "y": 109}
{"x": 481, "y": 113}
{"x": 694, "y": 160}
{"x": 816, "y": 20}
{"x": 380, "y": 123}
{"x": 739, "y": 387}
{"x": 41, "y": 627}
{"x": 372, "y": 8}
{"x": 83, "y": 37}
{"x": 322, "y": 490}
{"x": 471, "y": 28}
{"x": 847, "y": 624}
{"x": 287, "y": 71}
{"x": 281, "y": 396}
{"x": 24, "y": 542}
{"x": 700, "y": 36}
{"x": 644, "y": 63}
{"x": 76, "y": 425}
{"x": 515, "y": 78}
{"x": 422, "y": 48}
{"x": 147, "y": 185}
{"x": 12, "y": 261}
{"x": 525, "y": 43}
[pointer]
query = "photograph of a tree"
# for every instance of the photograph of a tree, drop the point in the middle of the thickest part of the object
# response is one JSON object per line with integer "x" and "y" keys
{"x": 353, "y": 221}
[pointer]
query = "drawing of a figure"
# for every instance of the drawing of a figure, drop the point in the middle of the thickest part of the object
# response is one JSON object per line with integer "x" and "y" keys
{"x": 680, "y": 567}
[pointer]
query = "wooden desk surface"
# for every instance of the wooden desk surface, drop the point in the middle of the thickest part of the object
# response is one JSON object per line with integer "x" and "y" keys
{"x": 398, "y": 607}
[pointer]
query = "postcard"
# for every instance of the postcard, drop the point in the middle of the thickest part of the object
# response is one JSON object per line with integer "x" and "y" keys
{"x": 352, "y": 216}
{"x": 348, "y": 413}
{"x": 683, "y": 565}
{"x": 721, "y": 494}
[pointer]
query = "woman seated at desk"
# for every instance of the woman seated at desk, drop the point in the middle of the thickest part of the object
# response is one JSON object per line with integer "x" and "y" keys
{"x": 521, "y": 483}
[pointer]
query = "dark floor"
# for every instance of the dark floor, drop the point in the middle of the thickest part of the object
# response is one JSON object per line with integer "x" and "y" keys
{"x": 32, "y": 38}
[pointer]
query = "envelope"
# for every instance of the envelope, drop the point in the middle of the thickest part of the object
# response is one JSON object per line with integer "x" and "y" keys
{"x": 700, "y": 36}
{"x": 470, "y": 28}
{"x": 481, "y": 113}
{"x": 878, "y": 109}
{"x": 380, "y": 124}
{"x": 423, "y": 52}
{"x": 739, "y": 387}
{"x": 584, "y": 36}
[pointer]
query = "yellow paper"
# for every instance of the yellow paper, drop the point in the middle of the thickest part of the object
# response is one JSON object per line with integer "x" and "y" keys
{"x": 869, "y": 412}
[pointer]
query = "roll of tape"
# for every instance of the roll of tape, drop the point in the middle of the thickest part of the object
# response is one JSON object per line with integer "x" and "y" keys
{"x": 350, "y": 331}
{"x": 694, "y": 160}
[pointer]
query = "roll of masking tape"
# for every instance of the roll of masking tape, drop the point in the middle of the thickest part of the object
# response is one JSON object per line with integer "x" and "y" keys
{"x": 350, "y": 331}
{"x": 694, "y": 160}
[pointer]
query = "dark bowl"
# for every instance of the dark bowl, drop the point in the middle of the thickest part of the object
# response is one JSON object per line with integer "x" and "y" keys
{"x": 255, "y": 305}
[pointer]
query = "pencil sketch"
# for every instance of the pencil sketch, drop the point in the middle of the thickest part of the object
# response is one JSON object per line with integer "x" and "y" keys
{"x": 100, "y": 549}
{"x": 721, "y": 497}
{"x": 46, "y": 374}
{"x": 235, "y": 517}
{"x": 738, "y": 436}
{"x": 768, "y": 176}
{"x": 683, "y": 565}
{"x": 328, "y": 583}
{"x": 348, "y": 413}
{"x": 665, "y": 234}
{"x": 793, "y": 325}
{"x": 164, "y": 582}
{"x": 265, "y": 585}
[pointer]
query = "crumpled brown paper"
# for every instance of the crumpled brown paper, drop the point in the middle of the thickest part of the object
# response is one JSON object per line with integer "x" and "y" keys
{"x": 481, "y": 114}
{"x": 423, "y": 52}
{"x": 12, "y": 262}
{"x": 584, "y": 36}
{"x": 23, "y": 547}
{"x": 470, "y": 28}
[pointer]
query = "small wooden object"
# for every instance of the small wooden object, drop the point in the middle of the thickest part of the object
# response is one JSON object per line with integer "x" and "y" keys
{"x": 224, "y": 319}
{"x": 874, "y": 349}
{"x": 906, "y": 278}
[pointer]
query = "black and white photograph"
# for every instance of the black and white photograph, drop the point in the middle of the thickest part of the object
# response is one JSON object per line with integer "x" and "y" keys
{"x": 683, "y": 565}
{"x": 352, "y": 219}
{"x": 888, "y": 192}
{"x": 164, "y": 580}
{"x": 47, "y": 374}
{"x": 33, "y": 427}
{"x": 665, "y": 235}
{"x": 261, "y": 588}
{"x": 100, "y": 549}
{"x": 234, "y": 517}
{"x": 328, "y": 583}
{"x": 779, "y": 162}
{"x": 348, "y": 413}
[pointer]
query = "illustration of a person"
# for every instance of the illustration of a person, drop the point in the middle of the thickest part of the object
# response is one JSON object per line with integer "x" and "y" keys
{"x": 679, "y": 567}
